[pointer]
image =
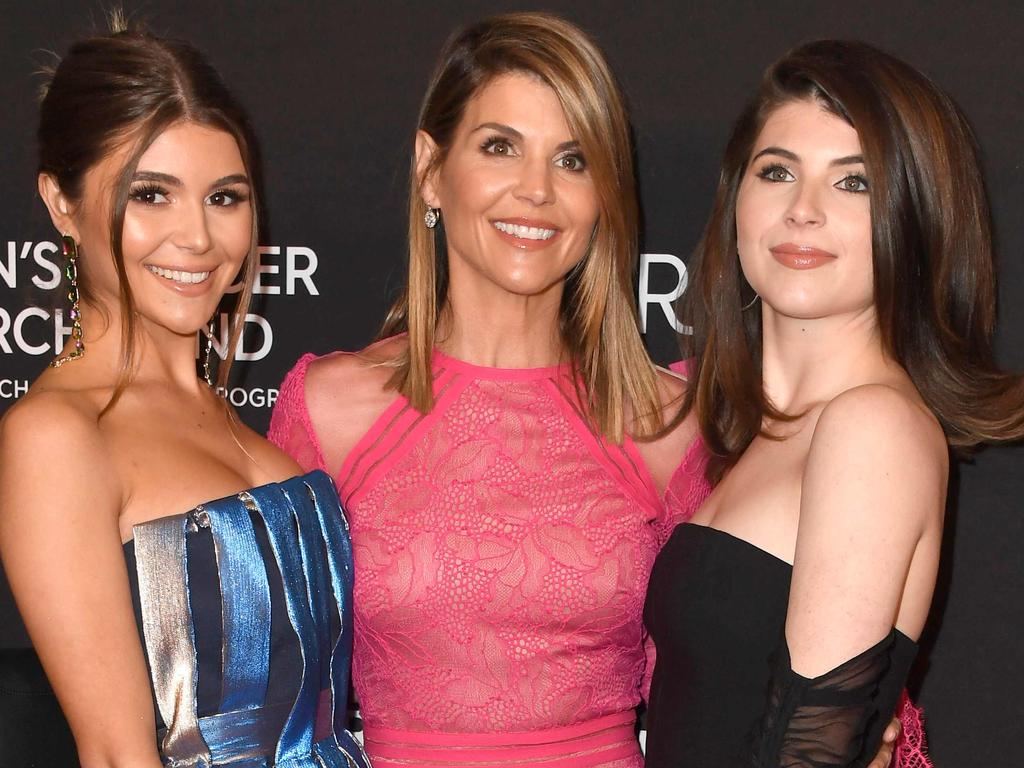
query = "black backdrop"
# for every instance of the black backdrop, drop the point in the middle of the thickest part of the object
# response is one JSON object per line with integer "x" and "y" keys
{"x": 333, "y": 89}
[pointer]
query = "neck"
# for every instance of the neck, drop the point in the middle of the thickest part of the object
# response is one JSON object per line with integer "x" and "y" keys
{"x": 159, "y": 355}
{"x": 808, "y": 362}
{"x": 502, "y": 330}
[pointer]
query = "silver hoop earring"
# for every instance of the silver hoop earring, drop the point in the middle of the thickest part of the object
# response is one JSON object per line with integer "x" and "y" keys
{"x": 753, "y": 301}
{"x": 431, "y": 217}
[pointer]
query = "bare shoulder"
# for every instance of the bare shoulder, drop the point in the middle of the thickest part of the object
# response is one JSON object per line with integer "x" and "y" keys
{"x": 665, "y": 454}
{"x": 879, "y": 444}
{"x": 876, "y": 417}
{"x": 352, "y": 380}
{"x": 49, "y": 423}
{"x": 345, "y": 394}
{"x": 51, "y": 443}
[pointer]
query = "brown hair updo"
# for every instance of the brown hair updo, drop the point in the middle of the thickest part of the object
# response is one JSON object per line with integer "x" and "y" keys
{"x": 126, "y": 88}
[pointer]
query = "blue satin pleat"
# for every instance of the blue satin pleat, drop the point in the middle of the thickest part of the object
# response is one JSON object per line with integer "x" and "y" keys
{"x": 294, "y": 747}
{"x": 334, "y": 530}
{"x": 338, "y": 544}
{"x": 245, "y": 607}
{"x": 301, "y": 495}
{"x": 246, "y": 733}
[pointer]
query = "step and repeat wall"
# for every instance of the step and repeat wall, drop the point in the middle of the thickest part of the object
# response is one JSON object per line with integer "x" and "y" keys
{"x": 333, "y": 89}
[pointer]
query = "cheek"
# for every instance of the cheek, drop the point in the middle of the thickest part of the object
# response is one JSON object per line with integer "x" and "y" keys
{"x": 583, "y": 207}
{"x": 140, "y": 236}
{"x": 464, "y": 191}
{"x": 752, "y": 222}
{"x": 857, "y": 238}
{"x": 234, "y": 233}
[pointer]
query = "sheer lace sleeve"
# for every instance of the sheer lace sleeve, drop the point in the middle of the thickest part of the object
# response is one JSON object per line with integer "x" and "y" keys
{"x": 290, "y": 427}
{"x": 834, "y": 720}
{"x": 911, "y": 747}
{"x": 686, "y": 490}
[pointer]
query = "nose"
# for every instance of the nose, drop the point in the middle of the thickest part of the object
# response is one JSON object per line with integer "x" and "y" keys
{"x": 805, "y": 207}
{"x": 193, "y": 229}
{"x": 535, "y": 183}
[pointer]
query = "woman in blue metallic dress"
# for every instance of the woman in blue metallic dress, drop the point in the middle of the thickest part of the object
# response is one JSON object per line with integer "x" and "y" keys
{"x": 175, "y": 630}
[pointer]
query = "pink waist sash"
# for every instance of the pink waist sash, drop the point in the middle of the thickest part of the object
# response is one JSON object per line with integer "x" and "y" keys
{"x": 594, "y": 743}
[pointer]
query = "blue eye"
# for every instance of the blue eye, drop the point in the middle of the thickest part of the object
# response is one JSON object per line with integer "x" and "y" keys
{"x": 852, "y": 183}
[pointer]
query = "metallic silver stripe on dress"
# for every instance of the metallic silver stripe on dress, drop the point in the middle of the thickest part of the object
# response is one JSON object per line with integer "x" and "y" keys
{"x": 161, "y": 564}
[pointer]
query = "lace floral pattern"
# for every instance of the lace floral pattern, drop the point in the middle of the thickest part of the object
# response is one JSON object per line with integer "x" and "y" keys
{"x": 502, "y": 570}
{"x": 502, "y": 556}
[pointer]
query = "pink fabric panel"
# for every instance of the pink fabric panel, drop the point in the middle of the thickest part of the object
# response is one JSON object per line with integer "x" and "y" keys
{"x": 290, "y": 427}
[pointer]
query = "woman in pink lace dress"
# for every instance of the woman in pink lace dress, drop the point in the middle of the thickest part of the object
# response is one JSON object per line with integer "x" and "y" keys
{"x": 504, "y": 518}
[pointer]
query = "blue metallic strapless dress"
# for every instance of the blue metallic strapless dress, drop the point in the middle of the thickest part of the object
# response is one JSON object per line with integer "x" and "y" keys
{"x": 244, "y": 608}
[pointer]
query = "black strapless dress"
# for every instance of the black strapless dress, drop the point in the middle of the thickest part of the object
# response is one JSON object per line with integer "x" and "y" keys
{"x": 724, "y": 694}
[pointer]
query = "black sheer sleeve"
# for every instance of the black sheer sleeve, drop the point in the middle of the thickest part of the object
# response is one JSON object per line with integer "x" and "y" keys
{"x": 835, "y": 720}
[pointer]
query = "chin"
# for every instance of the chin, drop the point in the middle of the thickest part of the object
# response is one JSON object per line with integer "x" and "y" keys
{"x": 530, "y": 285}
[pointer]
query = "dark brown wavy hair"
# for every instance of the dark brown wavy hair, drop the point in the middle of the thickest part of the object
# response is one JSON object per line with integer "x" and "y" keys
{"x": 934, "y": 276}
{"x": 126, "y": 88}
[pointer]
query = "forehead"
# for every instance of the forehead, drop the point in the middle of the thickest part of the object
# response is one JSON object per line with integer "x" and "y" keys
{"x": 191, "y": 152}
{"x": 807, "y": 126}
{"x": 193, "y": 148}
{"x": 519, "y": 100}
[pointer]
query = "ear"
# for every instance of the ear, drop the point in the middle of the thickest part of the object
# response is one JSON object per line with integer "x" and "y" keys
{"x": 57, "y": 203}
{"x": 426, "y": 172}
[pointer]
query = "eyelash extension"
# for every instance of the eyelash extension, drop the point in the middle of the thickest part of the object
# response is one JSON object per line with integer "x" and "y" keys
{"x": 766, "y": 172}
{"x": 234, "y": 195}
{"x": 136, "y": 192}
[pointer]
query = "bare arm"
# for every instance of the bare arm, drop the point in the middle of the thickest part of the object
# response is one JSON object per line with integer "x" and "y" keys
{"x": 59, "y": 504}
{"x": 871, "y": 504}
{"x": 873, "y": 486}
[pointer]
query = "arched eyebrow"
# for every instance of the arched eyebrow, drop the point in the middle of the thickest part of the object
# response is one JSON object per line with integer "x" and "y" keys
{"x": 792, "y": 156}
{"x": 518, "y": 136}
{"x": 174, "y": 181}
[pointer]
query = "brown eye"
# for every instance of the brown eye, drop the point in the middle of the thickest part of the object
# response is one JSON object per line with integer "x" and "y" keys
{"x": 775, "y": 173}
{"x": 571, "y": 163}
{"x": 148, "y": 195}
{"x": 853, "y": 183}
{"x": 226, "y": 197}
{"x": 497, "y": 146}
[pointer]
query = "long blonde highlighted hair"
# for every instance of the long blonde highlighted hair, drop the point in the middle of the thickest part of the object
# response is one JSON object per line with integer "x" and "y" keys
{"x": 598, "y": 318}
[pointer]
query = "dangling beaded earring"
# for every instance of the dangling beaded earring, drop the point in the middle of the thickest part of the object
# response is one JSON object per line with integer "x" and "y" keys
{"x": 208, "y": 332}
{"x": 431, "y": 217}
{"x": 69, "y": 250}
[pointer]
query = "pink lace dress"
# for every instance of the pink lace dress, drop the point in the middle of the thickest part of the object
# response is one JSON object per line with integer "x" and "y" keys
{"x": 502, "y": 553}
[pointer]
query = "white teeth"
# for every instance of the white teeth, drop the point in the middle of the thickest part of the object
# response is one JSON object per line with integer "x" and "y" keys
{"x": 187, "y": 278}
{"x": 526, "y": 233}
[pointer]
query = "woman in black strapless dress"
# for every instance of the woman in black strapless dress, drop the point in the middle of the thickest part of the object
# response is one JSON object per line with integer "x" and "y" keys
{"x": 175, "y": 630}
{"x": 837, "y": 357}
